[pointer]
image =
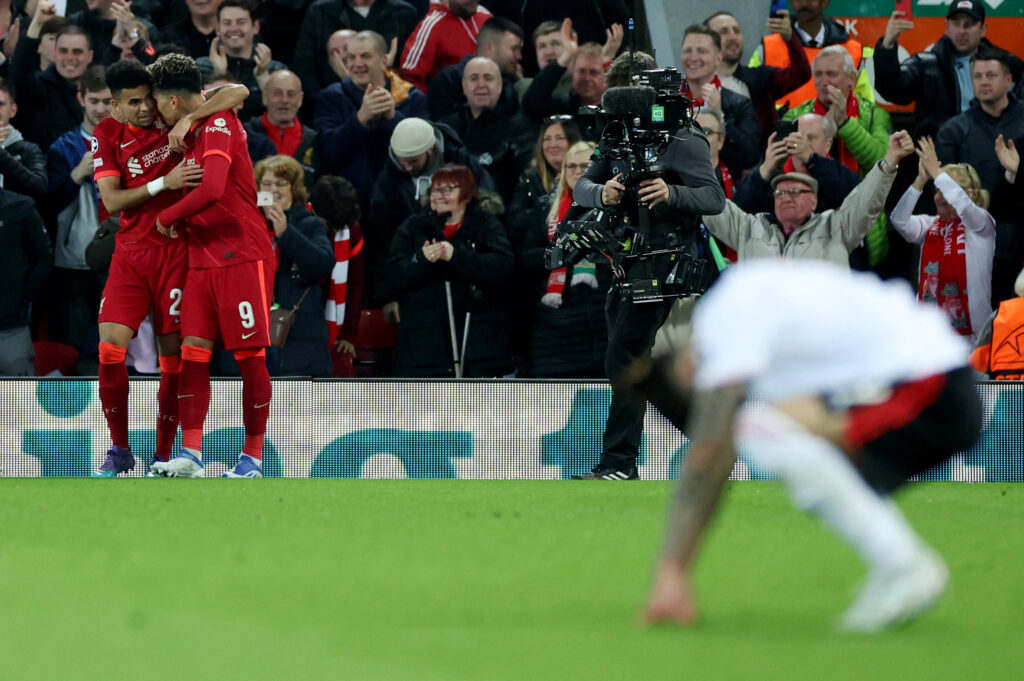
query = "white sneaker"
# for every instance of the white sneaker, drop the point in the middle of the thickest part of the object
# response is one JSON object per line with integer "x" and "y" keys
{"x": 892, "y": 597}
{"x": 182, "y": 466}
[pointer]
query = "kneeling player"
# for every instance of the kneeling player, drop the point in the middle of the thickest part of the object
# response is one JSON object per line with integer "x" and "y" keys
{"x": 865, "y": 388}
{"x": 138, "y": 175}
{"x": 231, "y": 271}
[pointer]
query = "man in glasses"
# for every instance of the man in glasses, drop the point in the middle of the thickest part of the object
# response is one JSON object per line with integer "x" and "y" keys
{"x": 794, "y": 230}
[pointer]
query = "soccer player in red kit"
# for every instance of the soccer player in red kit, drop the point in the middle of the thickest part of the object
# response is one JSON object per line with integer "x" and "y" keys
{"x": 231, "y": 270}
{"x": 138, "y": 175}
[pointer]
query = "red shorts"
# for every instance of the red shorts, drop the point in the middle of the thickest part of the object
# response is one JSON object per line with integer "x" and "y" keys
{"x": 230, "y": 304}
{"x": 149, "y": 278}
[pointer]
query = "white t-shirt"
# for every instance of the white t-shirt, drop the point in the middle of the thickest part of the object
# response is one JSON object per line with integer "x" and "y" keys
{"x": 792, "y": 328}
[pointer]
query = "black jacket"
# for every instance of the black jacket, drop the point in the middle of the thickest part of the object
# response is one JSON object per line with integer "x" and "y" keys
{"x": 927, "y": 78}
{"x": 969, "y": 138}
{"x": 743, "y": 147}
{"x": 23, "y": 166}
{"x": 590, "y": 20}
{"x": 540, "y": 101}
{"x": 26, "y": 258}
{"x": 694, "y": 189}
{"x": 397, "y": 195}
{"x": 500, "y": 139}
{"x": 445, "y": 94}
{"x": 477, "y": 272}
{"x": 306, "y": 257}
{"x": 569, "y": 341}
{"x": 529, "y": 205}
{"x": 185, "y": 34}
{"x": 47, "y": 103}
{"x": 390, "y": 18}
{"x": 100, "y": 32}
{"x": 835, "y": 182}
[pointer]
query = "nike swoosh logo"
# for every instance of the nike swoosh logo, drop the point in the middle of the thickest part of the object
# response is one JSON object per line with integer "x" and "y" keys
{"x": 260, "y": 406}
{"x": 247, "y": 335}
{"x": 127, "y": 144}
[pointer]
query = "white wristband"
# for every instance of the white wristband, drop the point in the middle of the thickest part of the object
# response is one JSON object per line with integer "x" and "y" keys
{"x": 155, "y": 187}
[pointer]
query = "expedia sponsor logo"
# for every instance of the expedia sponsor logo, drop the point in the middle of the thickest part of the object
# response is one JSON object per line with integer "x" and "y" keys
{"x": 134, "y": 167}
{"x": 217, "y": 128}
{"x": 155, "y": 156}
{"x": 94, "y": 145}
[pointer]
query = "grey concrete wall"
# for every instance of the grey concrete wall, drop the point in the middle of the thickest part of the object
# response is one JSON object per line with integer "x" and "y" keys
{"x": 667, "y": 19}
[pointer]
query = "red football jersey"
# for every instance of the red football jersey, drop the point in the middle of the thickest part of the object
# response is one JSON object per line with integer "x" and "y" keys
{"x": 224, "y": 226}
{"x": 136, "y": 156}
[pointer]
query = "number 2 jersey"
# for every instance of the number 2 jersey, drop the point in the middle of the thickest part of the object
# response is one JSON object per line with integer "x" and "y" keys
{"x": 136, "y": 156}
{"x": 224, "y": 226}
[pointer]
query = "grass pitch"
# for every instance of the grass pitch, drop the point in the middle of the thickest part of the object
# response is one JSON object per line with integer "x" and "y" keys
{"x": 471, "y": 580}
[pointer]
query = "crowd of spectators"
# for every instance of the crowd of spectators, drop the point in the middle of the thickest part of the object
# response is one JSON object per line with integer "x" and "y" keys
{"x": 438, "y": 146}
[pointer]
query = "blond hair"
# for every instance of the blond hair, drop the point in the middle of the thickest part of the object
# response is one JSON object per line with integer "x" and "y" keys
{"x": 967, "y": 177}
{"x": 560, "y": 192}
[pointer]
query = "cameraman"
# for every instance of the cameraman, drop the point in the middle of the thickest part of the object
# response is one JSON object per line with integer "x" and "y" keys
{"x": 677, "y": 199}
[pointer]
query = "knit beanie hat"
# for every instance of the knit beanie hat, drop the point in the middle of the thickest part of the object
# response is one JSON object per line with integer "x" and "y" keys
{"x": 412, "y": 137}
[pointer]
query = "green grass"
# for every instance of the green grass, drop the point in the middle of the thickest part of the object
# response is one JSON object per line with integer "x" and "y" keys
{"x": 471, "y": 580}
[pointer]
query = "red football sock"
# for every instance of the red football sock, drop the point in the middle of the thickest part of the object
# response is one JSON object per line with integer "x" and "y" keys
{"x": 256, "y": 393}
{"x": 194, "y": 395}
{"x": 113, "y": 378}
{"x": 167, "y": 403}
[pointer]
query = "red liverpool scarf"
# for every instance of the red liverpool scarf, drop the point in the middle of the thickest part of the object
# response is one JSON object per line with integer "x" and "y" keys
{"x": 852, "y": 111}
{"x": 727, "y": 183}
{"x": 286, "y": 140}
{"x": 334, "y": 309}
{"x": 943, "y": 276}
{"x": 716, "y": 81}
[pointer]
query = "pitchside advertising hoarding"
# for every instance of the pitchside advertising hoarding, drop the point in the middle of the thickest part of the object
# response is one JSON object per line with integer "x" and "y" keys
{"x": 865, "y": 21}
{"x": 392, "y": 429}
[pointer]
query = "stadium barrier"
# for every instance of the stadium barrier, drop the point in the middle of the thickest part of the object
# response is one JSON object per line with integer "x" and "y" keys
{"x": 395, "y": 429}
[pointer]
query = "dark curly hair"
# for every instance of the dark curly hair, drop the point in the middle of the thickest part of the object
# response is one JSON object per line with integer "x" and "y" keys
{"x": 335, "y": 201}
{"x": 176, "y": 73}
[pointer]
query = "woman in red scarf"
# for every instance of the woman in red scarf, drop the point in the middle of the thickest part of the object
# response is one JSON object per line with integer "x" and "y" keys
{"x": 570, "y": 334}
{"x": 957, "y": 245}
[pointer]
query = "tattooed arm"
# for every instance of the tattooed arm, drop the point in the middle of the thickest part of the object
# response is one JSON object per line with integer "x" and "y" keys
{"x": 708, "y": 465}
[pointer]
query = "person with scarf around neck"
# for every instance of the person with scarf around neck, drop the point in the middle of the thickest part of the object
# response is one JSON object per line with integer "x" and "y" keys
{"x": 570, "y": 332}
{"x": 702, "y": 54}
{"x": 458, "y": 246}
{"x": 334, "y": 200}
{"x": 526, "y": 214}
{"x": 957, "y": 245}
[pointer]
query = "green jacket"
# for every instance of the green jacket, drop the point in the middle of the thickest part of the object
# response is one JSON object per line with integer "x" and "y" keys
{"x": 866, "y": 137}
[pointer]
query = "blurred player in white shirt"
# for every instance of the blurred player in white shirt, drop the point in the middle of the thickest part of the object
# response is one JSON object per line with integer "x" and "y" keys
{"x": 865, "y": 387}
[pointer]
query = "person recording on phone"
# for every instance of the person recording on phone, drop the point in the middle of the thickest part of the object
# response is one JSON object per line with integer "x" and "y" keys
{"x": 676, "y": 198}
{"x": 800, "y": 146}
{"x": 937, "y": 79}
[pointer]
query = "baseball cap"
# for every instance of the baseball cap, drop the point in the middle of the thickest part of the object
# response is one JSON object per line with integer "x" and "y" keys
{"x": 970, "y": 7}
{"x": 796, "y": 177}
{"x": 412, "y": 137}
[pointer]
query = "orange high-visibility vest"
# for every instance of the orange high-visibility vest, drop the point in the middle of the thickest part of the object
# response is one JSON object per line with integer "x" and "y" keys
{"x": 777, "y": 54}
{"x": 1003, "y": 357}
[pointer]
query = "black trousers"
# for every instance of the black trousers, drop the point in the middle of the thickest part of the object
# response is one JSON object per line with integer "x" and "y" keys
{"x": 631, "y": 331}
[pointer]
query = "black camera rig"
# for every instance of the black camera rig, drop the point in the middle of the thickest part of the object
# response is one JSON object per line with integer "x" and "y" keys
{"x": 637, "y": 123}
